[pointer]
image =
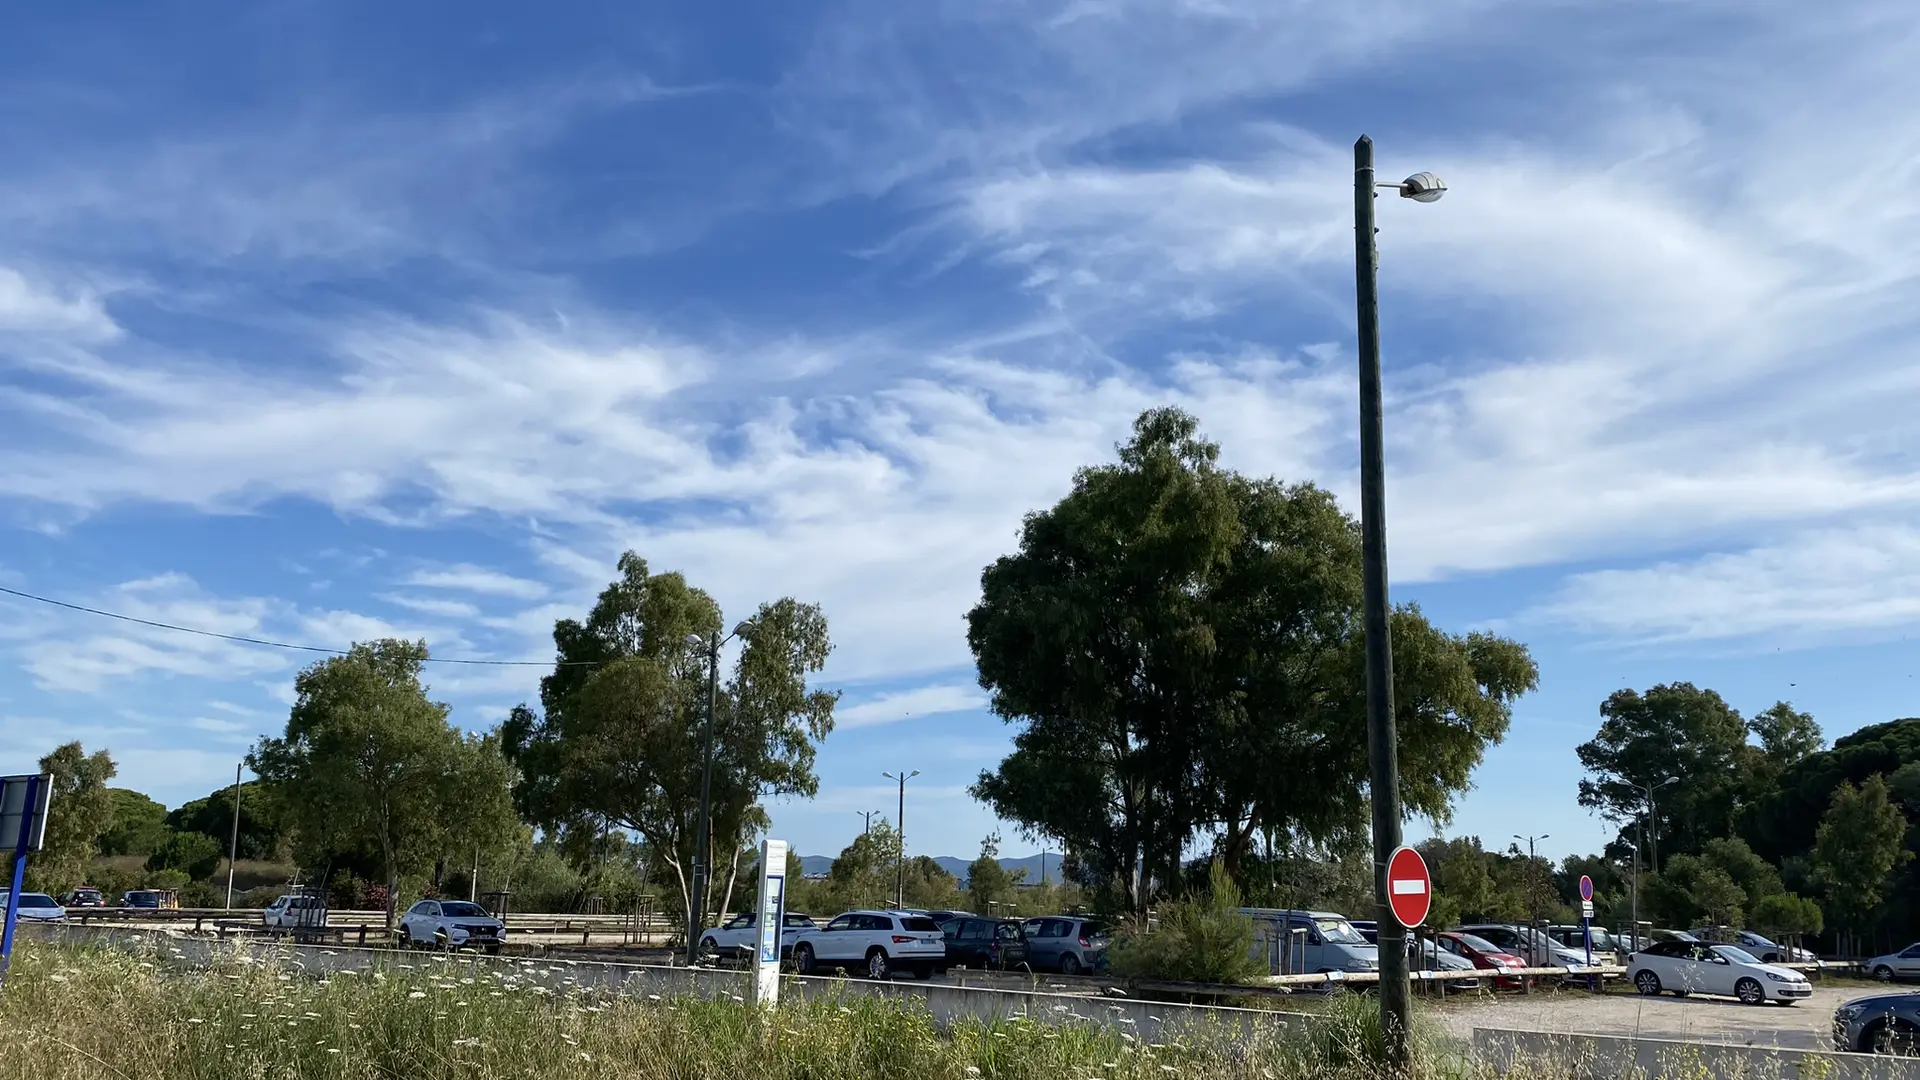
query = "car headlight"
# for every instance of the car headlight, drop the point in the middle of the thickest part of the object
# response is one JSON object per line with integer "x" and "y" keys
{"x": 1780, "y": 978}
{"x": 1847, "y": 1012}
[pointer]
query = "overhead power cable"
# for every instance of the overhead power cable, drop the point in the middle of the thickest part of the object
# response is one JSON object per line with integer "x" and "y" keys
{"x": 244, "y": 640}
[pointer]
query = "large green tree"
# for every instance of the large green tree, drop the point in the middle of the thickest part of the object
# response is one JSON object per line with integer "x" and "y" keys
{"x": 1861, "y": 839}
{"x": 1686, "y": 744}
{"x": 621, "y": 731}
{"x": 262, "y": 834}
{"x": 80, "y": 812}
{"x": 1181, "y": 647}
{"x": 988, "y": 883}
{"x": 369, "y": 758}
{"x": 139, "y": 824}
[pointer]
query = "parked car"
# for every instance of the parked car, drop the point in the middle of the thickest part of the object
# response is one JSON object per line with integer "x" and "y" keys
{"x": 1576, "y": 940}
{"x": 1682, "y": 968}
{"x": 1368, "y": 928}
{"x": 1310, "y": 942}
{"x": 740, "y": 936}
{"x": 85, "y": 896}
{"x": 1428, "y": 956}
{"x": 1892, "y": 967}
{"x": 1529, "y": 944}
{"x": 39, "y": 907}
{"x": 1068, "y": 944}
{"x": 877, "y": 942}
{"x": 1880, "y": 1024}
{"x": 293, "y": 910}
{"x": 985, "y": 944}
{"x": 1769, "y": 951}
{"x": 451, "y": 924}
{"x": 142, "y": 898}
{"x": 1486, "y": 955}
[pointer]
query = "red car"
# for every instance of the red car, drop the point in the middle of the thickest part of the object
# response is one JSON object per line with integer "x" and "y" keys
{"x": 1484, "y": 954}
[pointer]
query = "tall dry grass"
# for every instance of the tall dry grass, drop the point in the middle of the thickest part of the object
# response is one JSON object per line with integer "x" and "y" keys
{"x": 71, "y": 1013}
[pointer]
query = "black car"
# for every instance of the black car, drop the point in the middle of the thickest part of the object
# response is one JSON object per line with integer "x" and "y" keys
{"x": 945, "y": 917}
{"x": 985, "y": 944}
{"x": 85, "y": 896}
{"x": 1368, "y": 929}
{"x": 1879, "y": 1024}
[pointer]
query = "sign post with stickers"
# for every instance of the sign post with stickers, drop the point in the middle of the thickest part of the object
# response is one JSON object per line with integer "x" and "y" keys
{"x": 24, "y": 801}
{"x": 1586, "y": 914}
{"x": 772, "y": 912}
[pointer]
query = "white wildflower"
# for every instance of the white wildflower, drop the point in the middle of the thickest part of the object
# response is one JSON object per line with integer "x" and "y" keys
{"x": 195, "y": 1020}
{"x": 416, "y": 995}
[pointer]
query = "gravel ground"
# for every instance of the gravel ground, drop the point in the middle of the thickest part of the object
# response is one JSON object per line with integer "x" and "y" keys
{"x": 1804, "y": 1026}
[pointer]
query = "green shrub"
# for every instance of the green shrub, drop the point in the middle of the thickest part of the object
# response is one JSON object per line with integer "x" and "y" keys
{"x": 194, "y": 854}
{"x": 1203, "y": 939}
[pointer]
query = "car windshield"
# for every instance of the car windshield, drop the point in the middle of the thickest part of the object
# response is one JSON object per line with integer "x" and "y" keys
{"x": 462, "y": 909}
{"x": 36, "y": 900}
{"x": 137, "y": 897}
{"x": 1751, "y": 938}
{"x": 919, "y": 925}
{"x": 1602, "y": 939}
{"x": 1094, "y": 930}
{"x": 1736, "y": 954}
{"x": 1339, "y": 932}
{"x": 1477, "y": 944}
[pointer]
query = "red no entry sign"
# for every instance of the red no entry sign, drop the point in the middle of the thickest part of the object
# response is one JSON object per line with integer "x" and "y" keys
{"x": 1409, "y": 889}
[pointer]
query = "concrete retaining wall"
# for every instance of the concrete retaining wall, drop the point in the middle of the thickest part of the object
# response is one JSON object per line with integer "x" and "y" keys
{"x": 1149, "y": 1021}
{"x": 1610, "y": 1057}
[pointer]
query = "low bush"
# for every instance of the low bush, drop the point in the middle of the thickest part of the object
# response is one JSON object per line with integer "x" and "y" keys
{"x": 1203, "y": 939}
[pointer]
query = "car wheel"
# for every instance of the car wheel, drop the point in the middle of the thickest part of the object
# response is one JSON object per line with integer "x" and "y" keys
{"x": 1647, "y": 983}
{"x": 709, "y": 950}
{"x": 803, "y": 959}
{"x": 1750, "y": 992}
{"x": 1893, "y": 1037}
{"x": 877, "y": 965}
{"x": 1069, "y": 964}
{"x": 1883, "y": 973}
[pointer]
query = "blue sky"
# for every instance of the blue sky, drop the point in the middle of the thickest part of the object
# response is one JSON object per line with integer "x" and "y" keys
{"x": 326, "y": 321}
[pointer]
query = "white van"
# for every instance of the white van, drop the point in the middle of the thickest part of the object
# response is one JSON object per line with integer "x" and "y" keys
{"x": 1310, "y": 942}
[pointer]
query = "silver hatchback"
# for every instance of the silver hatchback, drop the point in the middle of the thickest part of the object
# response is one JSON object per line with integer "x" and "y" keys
{"x": 1068, "y": 944}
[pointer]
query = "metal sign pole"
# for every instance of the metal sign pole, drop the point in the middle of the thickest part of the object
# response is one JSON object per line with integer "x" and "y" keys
{"x": 32, "y": 826}
{"x": 772, "y": 912}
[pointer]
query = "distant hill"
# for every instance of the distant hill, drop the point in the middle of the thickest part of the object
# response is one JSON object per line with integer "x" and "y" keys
{"x": 812, "y": 865}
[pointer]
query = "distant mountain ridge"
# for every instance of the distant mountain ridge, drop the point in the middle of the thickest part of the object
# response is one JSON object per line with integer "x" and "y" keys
{"x": 819, "y": 864}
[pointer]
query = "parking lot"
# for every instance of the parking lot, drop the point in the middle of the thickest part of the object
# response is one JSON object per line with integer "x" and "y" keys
{"x": 1703, "y": 1019}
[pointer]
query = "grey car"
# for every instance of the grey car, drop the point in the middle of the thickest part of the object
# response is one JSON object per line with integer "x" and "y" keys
{"x": 1068, "y": 944}
{"x": 1879, "y": 1024}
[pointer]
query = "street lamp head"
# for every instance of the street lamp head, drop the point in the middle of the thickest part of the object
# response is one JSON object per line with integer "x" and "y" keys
{"x": 1423, "y": 187}
{"x": 913, "y": 774}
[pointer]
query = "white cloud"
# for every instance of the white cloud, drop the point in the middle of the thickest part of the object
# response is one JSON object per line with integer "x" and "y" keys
{"x": 427, "y": 605}
{"x": 478, "y": 579}
{"x": 909, "y": 704}
{"x": 1806, "y": 589}
{"x": 33, "y": 308}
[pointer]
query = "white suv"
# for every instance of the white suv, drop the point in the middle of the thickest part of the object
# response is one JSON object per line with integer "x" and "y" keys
{"x": 740, "y": 935}
{"x": 291, "y": 911}
{"x": 878, "y": 942}
{"x": 451, "y": 924}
